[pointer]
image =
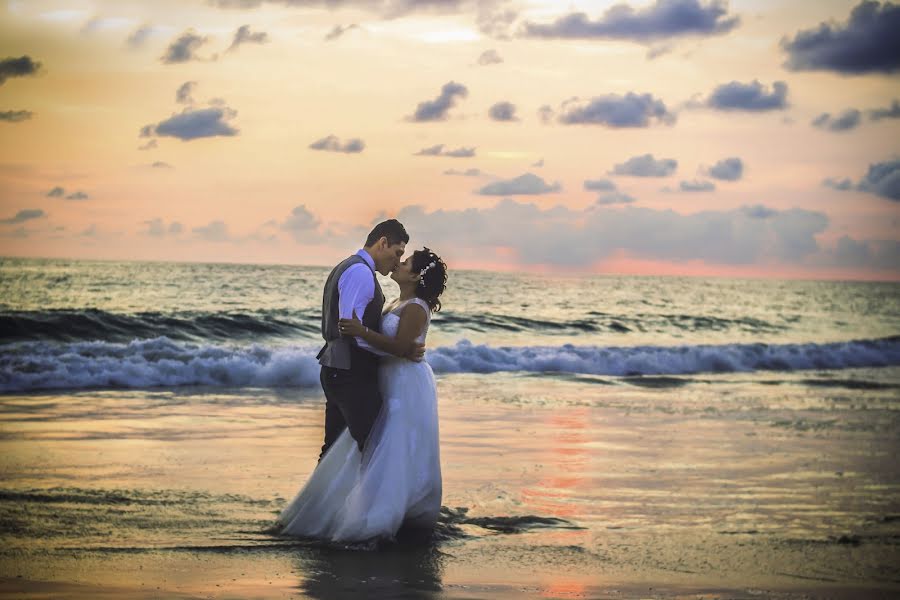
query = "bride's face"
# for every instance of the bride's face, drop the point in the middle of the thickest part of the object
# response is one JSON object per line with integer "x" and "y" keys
{"x": 403, "y": 273}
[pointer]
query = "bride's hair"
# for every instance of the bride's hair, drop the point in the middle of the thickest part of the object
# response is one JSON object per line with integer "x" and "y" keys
{"x": 434, "y": 277}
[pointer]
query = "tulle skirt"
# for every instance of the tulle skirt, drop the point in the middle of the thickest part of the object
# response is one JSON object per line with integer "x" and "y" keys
{"x": 396, "y": 480}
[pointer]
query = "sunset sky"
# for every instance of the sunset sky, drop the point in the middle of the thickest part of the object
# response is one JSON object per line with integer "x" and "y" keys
{"x": 744, "y": 138}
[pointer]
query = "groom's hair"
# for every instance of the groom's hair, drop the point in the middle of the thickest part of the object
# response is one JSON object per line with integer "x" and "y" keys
{"x": 392, "y": 229}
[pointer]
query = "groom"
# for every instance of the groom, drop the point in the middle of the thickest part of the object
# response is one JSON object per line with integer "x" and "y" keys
{"x": 349, "y": 372}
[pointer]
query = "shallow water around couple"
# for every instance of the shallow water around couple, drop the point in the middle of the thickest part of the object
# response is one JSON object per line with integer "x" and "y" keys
{"x": 555, "y": 486}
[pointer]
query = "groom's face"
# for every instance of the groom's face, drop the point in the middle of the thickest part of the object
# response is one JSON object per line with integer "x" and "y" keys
{"x": 390, "y": 255}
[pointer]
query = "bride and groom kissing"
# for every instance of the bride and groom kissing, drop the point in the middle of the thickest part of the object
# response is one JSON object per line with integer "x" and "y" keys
{"x": 380, "y": 463}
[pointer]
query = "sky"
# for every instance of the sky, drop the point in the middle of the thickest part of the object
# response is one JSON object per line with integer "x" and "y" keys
{"x": 659, "y": 137}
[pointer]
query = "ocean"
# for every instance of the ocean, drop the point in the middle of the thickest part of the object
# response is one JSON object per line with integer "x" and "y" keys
{"x": 598, "y": 433}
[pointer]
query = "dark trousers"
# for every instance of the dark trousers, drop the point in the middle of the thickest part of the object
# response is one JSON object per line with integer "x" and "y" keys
{"x": 352, "y": 400}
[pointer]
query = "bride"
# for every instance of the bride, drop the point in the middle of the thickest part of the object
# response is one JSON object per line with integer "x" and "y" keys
{"x": 396, "y": 480}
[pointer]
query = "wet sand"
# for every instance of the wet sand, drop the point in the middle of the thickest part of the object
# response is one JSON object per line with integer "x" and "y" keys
{"x": 737, "y": 486}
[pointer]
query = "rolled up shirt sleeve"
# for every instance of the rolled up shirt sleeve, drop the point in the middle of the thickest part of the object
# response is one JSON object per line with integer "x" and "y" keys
{"x": 356, "y": 288}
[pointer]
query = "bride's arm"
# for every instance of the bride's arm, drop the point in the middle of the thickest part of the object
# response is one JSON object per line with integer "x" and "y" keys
{"x": 412, "y": 323}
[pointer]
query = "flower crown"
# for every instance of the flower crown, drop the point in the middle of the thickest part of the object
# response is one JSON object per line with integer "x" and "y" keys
{"x": 425, "y": 270}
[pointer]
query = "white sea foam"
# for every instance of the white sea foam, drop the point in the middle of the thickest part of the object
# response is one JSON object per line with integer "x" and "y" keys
{"x": 161, "y": 362}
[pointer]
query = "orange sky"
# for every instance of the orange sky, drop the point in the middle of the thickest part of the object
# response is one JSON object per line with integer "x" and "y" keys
{"x": 263, "y": 194}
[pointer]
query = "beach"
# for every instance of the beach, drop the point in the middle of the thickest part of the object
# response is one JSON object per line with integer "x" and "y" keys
{"x": 555, "y": 487}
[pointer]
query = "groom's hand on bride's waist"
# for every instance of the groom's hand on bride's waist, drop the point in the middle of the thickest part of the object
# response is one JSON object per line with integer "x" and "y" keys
{"x": 416, "y": 352}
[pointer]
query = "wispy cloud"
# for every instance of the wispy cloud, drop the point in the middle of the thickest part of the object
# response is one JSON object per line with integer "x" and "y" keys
{"x": 847, "y": 120}
{"x": 15, "y": 116}
{"x": 331, "y": 143}
{"x": 244, "y": 36}
{"x": 438, "y": 150}
{"x": 24, "y": 215}
{"x": 184, "y": 48}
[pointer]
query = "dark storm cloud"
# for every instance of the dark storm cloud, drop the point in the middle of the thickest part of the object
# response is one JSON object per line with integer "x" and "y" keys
{"x": 193, "y": 124}
{"x": 646, "y": 166}
{"x": 727, "y": 169}
{"x": 436, "y": 110}
{"x": 24, "y": 215}
{"x": 752, "y": 97}
{"x": 503, "y": 111}
{"x": 15, "y": 116}
{"x": 663, "y": 19}
{"x": 244, "y": 36}
{"x": 613, "y": 110}
{"x": 527, "y": 184}
{"x": 331, "y": 143}
{"x": 17, "y": 67}
{"x": 866, "y": 43}
{"x": 184, "y": 48}
{"x": 847, "y": 120}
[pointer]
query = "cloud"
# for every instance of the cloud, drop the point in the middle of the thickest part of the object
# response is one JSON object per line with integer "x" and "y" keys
{"x": 575, "y": 238}
{"x": 24, "y": 215}
{"x": 184, "y": 93}
{"x": 614, "y": 198}
{"x": 158, "y": 228}
{"x": 646, "y": 166}
{"x": 880, "y": 254}
{"x": 758, "y": 211}
{"x": 338, "y": 31}
{"x": 539, "y": 163}
{"x": 56, "y": 192}
{"x": 23, "y": 66}
{"x": 389, "y": 9}
{"x": 866, "y": 43}
{"x": 614, "y": 110}
{"x": 753, "y": 97}
{"x": 466, "y": 173}
{"x": 697, "y": 186}
{"x": 663, "y": 19}
{"x": 527, "y": 184}
{"x": 15, "y": 116}
{"x": 150, "y": 144}
{"x": 847, "y": 120}
{"x": 79, "y": 195}
{"x": 843, "y": 185}
{"x": 184, "y": 48}
{"x": 891, "y": 112}
{"x": 301, "y": 224}
{"x": 437, "y": 109}
{"x": 503, "y": 111}
{"x": 333, "y": 144}
{"x": 193, "y": 124}
{"x": 489, "y": 57}
{"x": 244, "y": 36}
{"x": 727, "y": 169}
{"x": 215, "y": 231}
{"x": 161, "y": 165}
{"x": 600, "y": 185}
{"x": 438, "y": 150}
{"x": 883, "y": 179}
{"x": 140, "y": 35}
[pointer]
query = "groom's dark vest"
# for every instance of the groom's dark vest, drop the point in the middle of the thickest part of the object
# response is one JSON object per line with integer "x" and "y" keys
{"x": 342, "y": 352}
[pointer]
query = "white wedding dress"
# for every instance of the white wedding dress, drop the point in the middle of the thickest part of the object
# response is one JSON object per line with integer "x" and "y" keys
{"x": 396, "y": 480}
